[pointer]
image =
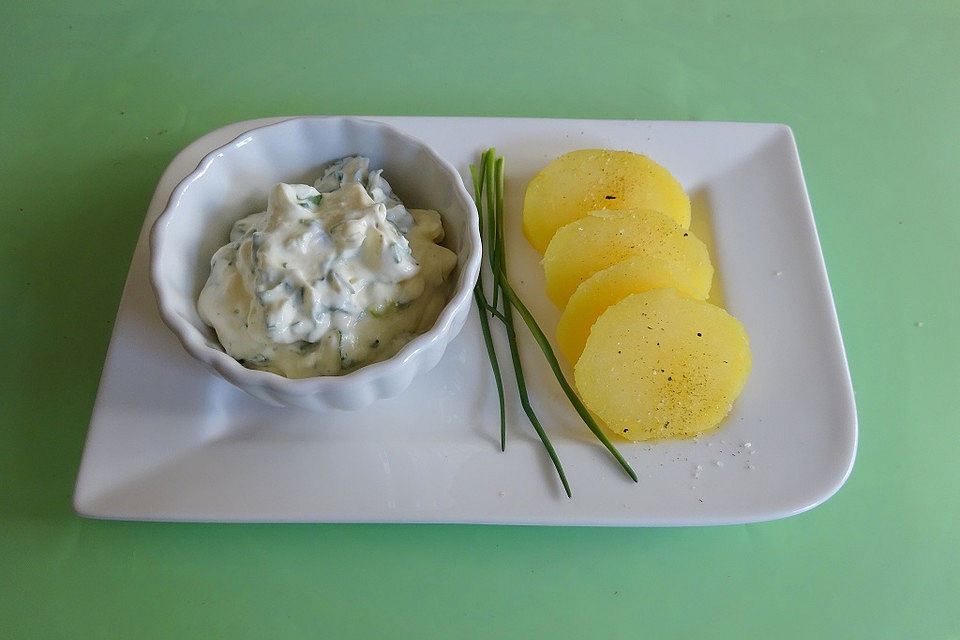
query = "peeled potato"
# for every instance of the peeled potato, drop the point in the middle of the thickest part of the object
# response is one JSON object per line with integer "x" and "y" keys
{"x": 608, "y": 287}
{"x": 583, "y": 181}
{"x": 604, "y": 238}
{"x": 659, "y": 365}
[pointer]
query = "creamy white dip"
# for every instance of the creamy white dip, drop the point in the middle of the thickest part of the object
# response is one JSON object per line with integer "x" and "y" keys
{"x": 329, "y": 278}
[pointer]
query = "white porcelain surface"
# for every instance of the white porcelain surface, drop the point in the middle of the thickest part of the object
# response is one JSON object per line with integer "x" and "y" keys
{"x": 233, "y": 181}
{"x": 173, "y": 442}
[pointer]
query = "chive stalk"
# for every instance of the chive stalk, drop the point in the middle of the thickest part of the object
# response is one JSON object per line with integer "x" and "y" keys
{"x": 490, "y": 178}
{"x": 541, "y": 340}
{"x": 483, "y": 306}
{"x": 495, "y": 243}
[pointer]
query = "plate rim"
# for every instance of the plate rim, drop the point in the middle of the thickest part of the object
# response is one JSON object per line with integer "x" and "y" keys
{"x": 86, "y": 505}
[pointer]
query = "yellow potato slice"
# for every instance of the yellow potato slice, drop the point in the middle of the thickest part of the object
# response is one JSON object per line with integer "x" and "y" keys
{"x": 608, "y": 287}
{"x": 604, "y": 238}
{"x": 583, "y": 181}
{"x": 659, "y": 365}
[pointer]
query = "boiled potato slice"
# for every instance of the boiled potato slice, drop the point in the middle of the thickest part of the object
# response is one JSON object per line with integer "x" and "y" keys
{"x": 608, "y": 287}
{"x": 583, "y": 181}
{"x": 659, "y": 365}
{"x": 604, "y": 238}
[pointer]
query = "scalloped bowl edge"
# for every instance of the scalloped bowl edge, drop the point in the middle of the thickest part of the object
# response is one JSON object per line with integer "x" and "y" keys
{"x": 171, "y": 270}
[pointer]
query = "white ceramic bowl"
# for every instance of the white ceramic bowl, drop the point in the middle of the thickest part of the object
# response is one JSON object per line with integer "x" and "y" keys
{"x": 234, "y": 181}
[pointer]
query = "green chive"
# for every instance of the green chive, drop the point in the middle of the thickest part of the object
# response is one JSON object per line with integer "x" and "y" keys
{"x": 494, "y": 245}
{"x": 512, "y": 300}
{"x": 492, "y": 355}
{"x": 541, "y": 339}
{"x": 525, "y": 400}
{"x": 482, "y": 307}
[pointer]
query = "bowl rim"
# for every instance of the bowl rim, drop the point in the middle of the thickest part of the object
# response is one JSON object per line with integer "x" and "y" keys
{"x": 195, "y": 343}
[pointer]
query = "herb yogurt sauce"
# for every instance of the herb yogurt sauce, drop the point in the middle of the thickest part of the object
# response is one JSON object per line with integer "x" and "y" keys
{"x": 329, "y": 278}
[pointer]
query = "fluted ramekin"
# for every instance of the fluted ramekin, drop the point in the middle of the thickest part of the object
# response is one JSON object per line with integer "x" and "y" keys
{"x": 234, "y": 181}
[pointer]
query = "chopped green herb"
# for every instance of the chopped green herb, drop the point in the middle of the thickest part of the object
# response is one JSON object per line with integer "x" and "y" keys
{"x": 305, "y": 202}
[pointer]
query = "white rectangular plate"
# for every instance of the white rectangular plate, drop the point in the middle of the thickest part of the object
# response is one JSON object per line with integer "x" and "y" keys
{"x": 170, "y": 441}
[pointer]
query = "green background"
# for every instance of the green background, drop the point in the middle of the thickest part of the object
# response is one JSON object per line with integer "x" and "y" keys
{"x": 97, "y": 97}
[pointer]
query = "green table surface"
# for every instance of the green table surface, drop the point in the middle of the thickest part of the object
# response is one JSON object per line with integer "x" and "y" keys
{"x": 96, "y": 97}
